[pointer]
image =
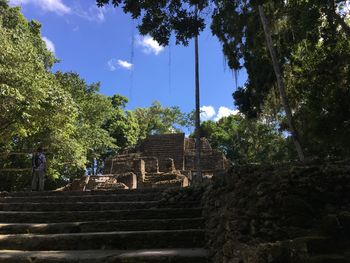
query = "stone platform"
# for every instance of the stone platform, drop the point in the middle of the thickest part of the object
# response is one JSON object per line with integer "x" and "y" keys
{"x": 166, "y": 160}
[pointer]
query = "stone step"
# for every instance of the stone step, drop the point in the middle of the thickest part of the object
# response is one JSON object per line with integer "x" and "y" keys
{"x": 175, "y": 255}
{"x": 168, "y": 184}
{"x": 76, "y": 216}
{"x": 104, "y": 226}
{"x": 80, "y": 193}
{"x": 329, "y": 259}
{"x": 83, "y": 198}
{"x": 325, "y": 245}
{"x": 161, "y": 177}
{"x": 147, "y": 185}
{"x": 91, "y": 206}
{"x": 173, "y": 183}
{"x": 105, "y": 240}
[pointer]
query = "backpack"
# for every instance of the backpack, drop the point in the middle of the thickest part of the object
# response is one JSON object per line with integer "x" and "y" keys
{"x": 37, "y": 160}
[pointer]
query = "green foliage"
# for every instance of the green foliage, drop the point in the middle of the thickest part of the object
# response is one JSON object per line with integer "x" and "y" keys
{"x": 59, "y": 112}
{"x": 319, "y": 80}
{"x": 246, "y": 140}
{"x": 159, "y": 120}
{"x": 161, "y": 18}
{"x": 122, "y": 125}
{"x": 34, "y": 109}
{"x": 94, "y": 110}
{"x": 314, "y": 51}
{"x": 312, "y": 43}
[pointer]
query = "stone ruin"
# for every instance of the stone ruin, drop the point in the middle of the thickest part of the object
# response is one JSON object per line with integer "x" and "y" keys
{"x": 166, "y": 160}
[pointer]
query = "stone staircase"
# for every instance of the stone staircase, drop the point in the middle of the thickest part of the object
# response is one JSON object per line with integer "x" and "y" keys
{"x": 162, "y": 180}
{"x": 126, "y": 226}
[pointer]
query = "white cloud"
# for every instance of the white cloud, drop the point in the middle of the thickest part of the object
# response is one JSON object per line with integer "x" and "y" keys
{"x": 93, "y": 14}
{"x": 125, "y": 64}
{"x": 224, "y": 112}
{"x": 49, "y": 44}
{"x": 149, "y": 45}
{"x": 113, "y": 64}
{"x": 56, "y": 6}
{"x": 207, "y": 112}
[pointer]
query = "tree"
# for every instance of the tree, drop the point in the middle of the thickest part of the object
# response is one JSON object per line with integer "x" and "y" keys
{"x": 318, "y": 80}
{"x": 159, "y": 120}
{"x": 123, "y": 125}
{"x": 292, "y": 25}
{"x": 34, "y": 109}
{"x": 23, "y": 75}
{"x": 280, "y": 84}
{"x": 59, "y": 112}
{"x": 247, "y": 140}
{"x": 333, "y": 5}
{"x": 94, "y": 110}
{"x": 162, "y": 18}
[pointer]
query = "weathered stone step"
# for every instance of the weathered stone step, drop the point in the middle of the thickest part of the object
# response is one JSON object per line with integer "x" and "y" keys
{"x": 79, "y": 193}
{"x": 105, "y": 226}
{"x": 325, "y": 245}
{"x": 76, "y": 216}
{"x": 83, "y": 198}
{"x": 105, "y": 240}
{"x": 329, "y": 259}
{"x": 161, "y": 177}
{"x": 92, "y": 206}
{"x": 107, "y": 256}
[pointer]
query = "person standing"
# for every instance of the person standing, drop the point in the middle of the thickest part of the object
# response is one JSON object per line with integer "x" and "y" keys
{"x": 39, "y": 168}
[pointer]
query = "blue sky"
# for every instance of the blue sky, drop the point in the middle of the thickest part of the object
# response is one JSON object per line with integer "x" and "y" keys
{"x": 104, "y": 45}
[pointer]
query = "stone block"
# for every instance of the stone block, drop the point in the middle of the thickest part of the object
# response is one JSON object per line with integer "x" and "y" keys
{"x": 151, "y": 164}
{"x": 139, "y": 169}
{"x": 169, "y": 165}
{"x": 129, "y": 179}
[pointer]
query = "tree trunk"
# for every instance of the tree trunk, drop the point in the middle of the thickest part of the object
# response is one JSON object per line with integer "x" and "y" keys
{"x": 198, "y": 177}
{"x": 280, "y": 84}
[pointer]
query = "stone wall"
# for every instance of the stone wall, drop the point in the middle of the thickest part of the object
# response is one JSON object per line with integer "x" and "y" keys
{"x": 120, "y": 164}
{"x": 210, "y": 161}
{"x": 190, "y": 144}
{"x": 151, "y": 164}
{"x": 123, "y": 164}
{"x": 285, "y": 214}
{"x": 163, "y": 147}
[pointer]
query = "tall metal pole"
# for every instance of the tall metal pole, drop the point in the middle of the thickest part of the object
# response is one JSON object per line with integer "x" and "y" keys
{"x": 198, "y": 178}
